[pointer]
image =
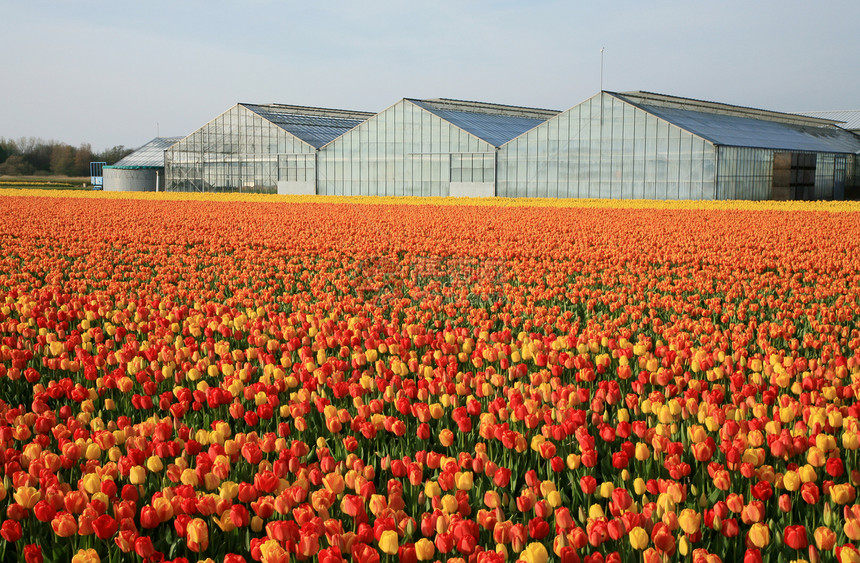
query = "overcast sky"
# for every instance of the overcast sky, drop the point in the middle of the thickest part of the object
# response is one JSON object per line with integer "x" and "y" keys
{"x": 116, "y": 72}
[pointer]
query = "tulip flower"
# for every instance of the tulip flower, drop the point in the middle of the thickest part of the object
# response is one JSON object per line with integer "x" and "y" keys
{"x": 847, "y": 554}
{"x": 33, "y": 553}
{"x": 388, "y": 542}
{"x": 11, "y": 531}
{"x": 825, "y": 538}
{"x": 424, "y": 549}
{"x": 759, "y": 535}
{"x": 535, "y": 553}
{"x": 197, "y": 535}
{"x": 752, "y": 555}
{"x": 690, "y": 521}
{"x": 27, "y": 497}
{"x": 64, "y": 525}
{"x": 152, "y": 384}
{"x": 638, "y": 538}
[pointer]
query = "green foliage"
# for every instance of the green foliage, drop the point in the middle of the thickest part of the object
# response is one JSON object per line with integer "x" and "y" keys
{"x": 29, "y": 155}
{"x": 113, "y": 154}
{"x": 16, "y": 165}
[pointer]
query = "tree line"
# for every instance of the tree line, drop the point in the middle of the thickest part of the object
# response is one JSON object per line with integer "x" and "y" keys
{"x": 31, "y": 156}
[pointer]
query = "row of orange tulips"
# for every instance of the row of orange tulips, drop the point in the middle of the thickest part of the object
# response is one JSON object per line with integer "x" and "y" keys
{"x": 262, "y": 381}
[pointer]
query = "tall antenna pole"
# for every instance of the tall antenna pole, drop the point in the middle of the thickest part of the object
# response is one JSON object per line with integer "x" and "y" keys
{"x": 601, "y": 68}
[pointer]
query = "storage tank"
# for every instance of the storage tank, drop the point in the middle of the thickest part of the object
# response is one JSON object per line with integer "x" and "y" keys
{"x": 142, "y": 170}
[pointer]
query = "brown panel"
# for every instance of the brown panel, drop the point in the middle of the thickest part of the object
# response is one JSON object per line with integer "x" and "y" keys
{"x": 781, "y": 160}
{"x": 782, "y": 177}
{"x": 780, "y": 193}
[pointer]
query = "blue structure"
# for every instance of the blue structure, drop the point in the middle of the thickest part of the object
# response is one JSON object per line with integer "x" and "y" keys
{"x": 96, "y": 175}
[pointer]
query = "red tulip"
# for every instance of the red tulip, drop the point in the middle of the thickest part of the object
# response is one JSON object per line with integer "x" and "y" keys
{"x": 752, "y": 555}
{"x": 11, "y": 531}
{"x": 795, "y": 537}
{"x": 33, "y": 553}
{"x": 588, "y": 484}
{"x": 143, "y": 546}
{"x": 663, "y": 539}
{"x": 44, "y": 511}
{"x": 330, "y": 555}
{"x": 538, "y": 528}
{"x": 105, "y": 527}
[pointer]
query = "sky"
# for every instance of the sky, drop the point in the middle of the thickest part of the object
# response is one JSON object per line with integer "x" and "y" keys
{"x": 114, "y": 73}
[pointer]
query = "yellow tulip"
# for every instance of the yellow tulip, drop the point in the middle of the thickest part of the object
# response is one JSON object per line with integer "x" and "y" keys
{"x": 424, "y": 549}
{"x": 86, "y": 556}
{"x": 638, "y": 538}
{"x": 389, "y": 542}
{"x": 690, "y": 521}
{"x": 791, "y": 481}
{"x": 27, "y": 497}
{"x": 464, "y": 480}
{"x": 137, "y": 475}
{"x": 759, "y": 535}
{"x": 535, "y": 553}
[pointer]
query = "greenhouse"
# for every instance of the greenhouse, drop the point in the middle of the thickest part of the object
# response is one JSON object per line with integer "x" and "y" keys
{"x": 257, "y": 148}
{"x": 435, "y": 147}
{"x": 629, "y": 145}
{"x": 638, "y": 145}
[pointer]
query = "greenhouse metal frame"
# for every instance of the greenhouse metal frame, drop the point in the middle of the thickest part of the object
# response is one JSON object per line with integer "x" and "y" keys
{"x": 628, "y": 145}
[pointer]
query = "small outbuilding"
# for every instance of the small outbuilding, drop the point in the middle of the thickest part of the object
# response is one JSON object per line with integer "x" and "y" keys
{"x": 142, "y": 170}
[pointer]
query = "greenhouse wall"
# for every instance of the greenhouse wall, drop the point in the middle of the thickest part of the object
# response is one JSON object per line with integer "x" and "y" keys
{"x": 238, "y": 151}
{"x": 825, "y": 175}
{"x": 403, "y": 151}
{"x": 744, "y": 173}
{"x": 747, "y": 173}
{"x": 607, "y": 148}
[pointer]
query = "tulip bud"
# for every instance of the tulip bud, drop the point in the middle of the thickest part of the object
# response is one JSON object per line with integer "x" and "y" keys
{"x": 827, "y": 515}
{"x": 776, "y": 534}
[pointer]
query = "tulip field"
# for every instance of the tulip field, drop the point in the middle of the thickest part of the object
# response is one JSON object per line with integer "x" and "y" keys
{"x": 262, "y": 378}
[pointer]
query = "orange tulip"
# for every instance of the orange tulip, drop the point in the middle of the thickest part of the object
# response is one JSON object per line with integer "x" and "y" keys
{"x": 197, "y": 535}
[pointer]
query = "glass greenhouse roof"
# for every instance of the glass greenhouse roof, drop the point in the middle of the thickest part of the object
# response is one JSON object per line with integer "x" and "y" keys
{"x": 315, "y": 126}
{"x": 720, "y": 127}
{"x": 849, "y": 119}
{"x": 150, "y": 155}
{"x": 493, "y": 123}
